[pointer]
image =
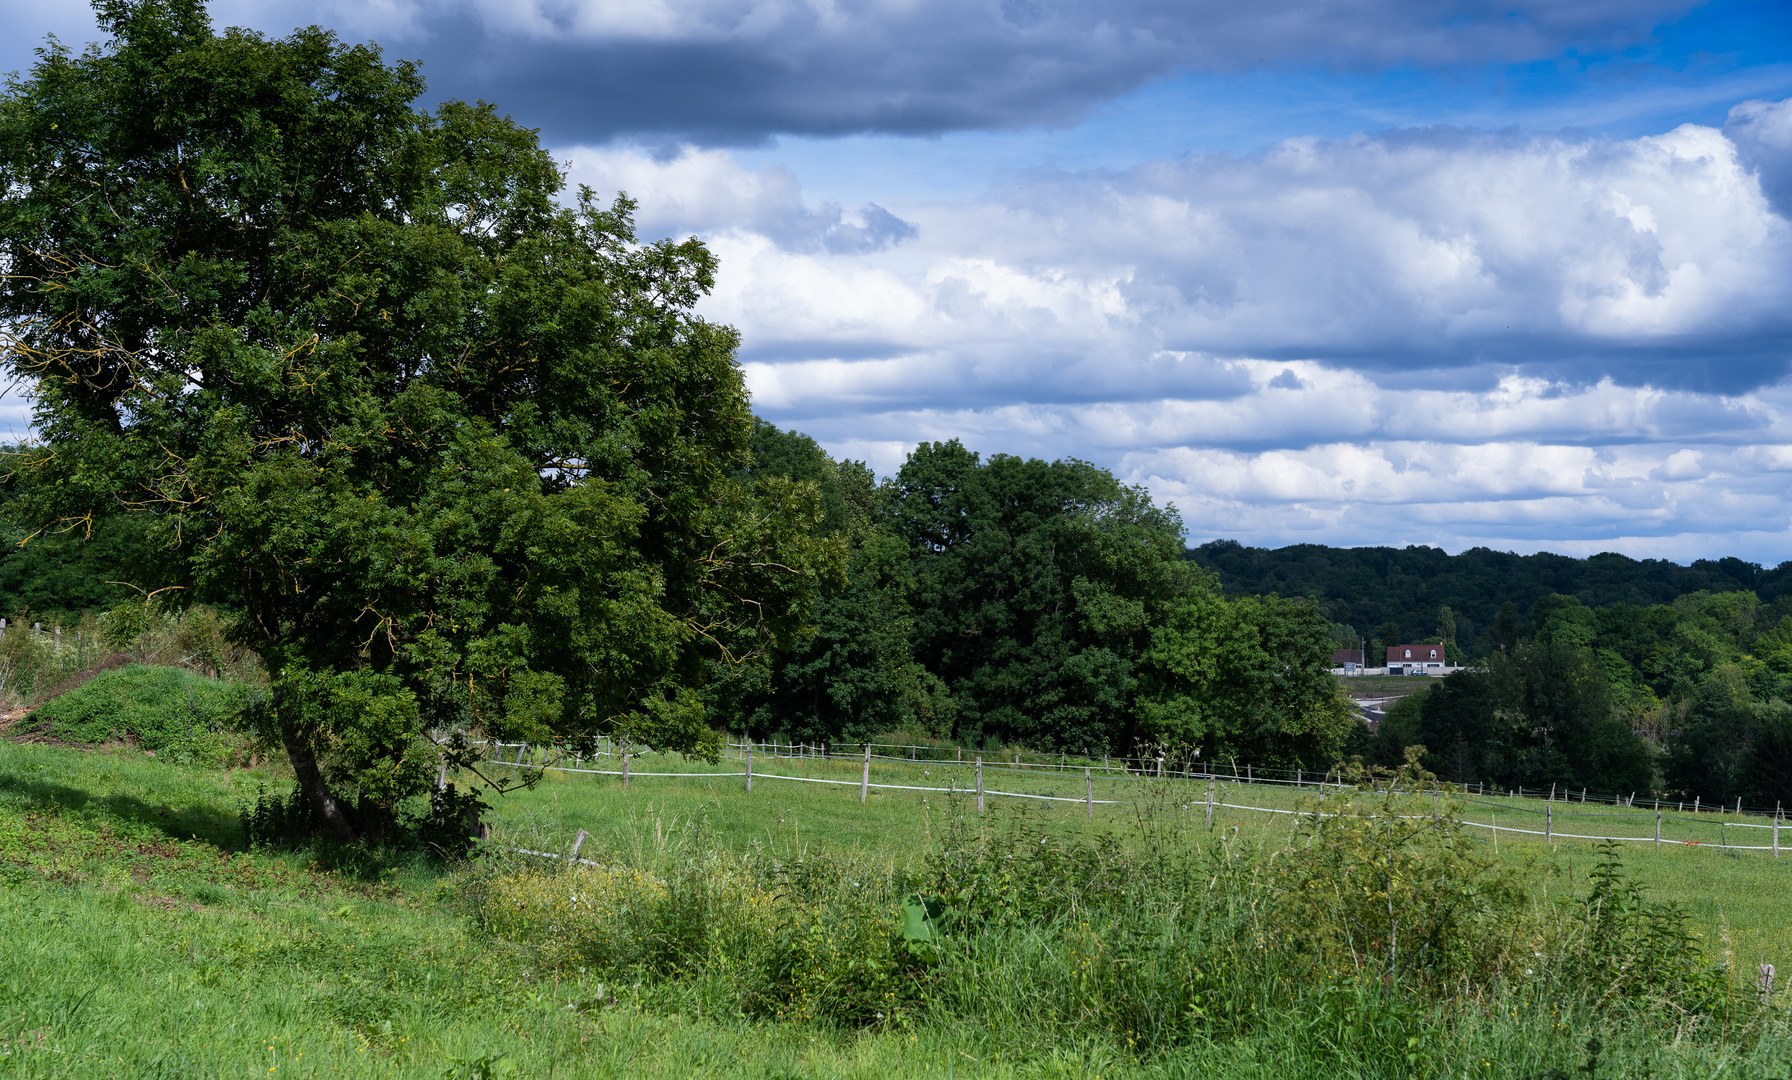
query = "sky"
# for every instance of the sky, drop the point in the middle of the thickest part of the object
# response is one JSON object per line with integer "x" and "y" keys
{"x": 1345, "y": 272}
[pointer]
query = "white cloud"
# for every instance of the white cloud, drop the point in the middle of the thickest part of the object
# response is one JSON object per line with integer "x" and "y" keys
{"x": 1428, "y": 336}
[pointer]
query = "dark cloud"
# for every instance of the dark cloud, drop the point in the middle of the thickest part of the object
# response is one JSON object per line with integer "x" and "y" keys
{"x": 736, "y": 71}
{"x": 1762, "y": 132}
{"x": 880, "y": 229}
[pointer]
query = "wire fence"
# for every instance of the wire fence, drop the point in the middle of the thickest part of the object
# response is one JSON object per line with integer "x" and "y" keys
{"x": 1535, "y": 820}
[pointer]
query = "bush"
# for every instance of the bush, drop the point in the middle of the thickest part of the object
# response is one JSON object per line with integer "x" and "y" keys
{"x": 1373, "y": 939}
{"x": 163, "y": 709}
{"x": 805, "y": 944}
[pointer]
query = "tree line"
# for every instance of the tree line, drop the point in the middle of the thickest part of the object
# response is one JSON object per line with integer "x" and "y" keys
{"x": 1688, "y": 699}
{"x": 1391, "y": 596}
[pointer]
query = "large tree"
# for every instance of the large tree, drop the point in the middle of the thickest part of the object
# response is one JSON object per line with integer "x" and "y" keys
{"x": 464, "y": 456}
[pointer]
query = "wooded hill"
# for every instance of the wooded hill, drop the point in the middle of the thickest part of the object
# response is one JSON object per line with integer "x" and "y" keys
{"x": 1394, "y": 595}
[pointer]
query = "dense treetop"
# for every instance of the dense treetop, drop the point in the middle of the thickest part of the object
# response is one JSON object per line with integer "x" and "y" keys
{"x": 1394, "y": 594}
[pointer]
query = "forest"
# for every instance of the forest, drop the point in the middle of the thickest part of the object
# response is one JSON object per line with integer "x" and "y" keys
{"x": 1007, "y": 601}
{"x": 1686, "y": 699}
{"x": 1392, "y": 595}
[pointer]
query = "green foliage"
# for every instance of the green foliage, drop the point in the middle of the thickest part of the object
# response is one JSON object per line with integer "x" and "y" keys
{"x": 164, "y": 709}
{"x": 1401, "y": 726}
{"x": 1037, "y": 588}
{"x": 1621, "y": 948}
{"x": 1378, "y": 885}
{"x": 1401, "y": 590}
{"x": 463, "y": 457}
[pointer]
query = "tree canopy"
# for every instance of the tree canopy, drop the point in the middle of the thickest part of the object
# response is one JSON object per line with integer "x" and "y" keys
{"x": 1011, "y": 600}
{"x": 1394, "y": 595}
{"x": 464, "y": 458}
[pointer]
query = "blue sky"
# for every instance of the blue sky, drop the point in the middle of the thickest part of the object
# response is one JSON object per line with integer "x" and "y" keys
{"x": 1350, "y": 272}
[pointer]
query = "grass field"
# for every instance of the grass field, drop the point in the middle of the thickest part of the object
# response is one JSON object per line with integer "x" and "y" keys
{"x": 1386, "y": 686}
{"x": 141, "y": 940}
{"x": 1741, "y": 894}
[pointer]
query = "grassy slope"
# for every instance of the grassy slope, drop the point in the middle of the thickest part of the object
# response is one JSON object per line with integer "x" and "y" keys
{"x": 140, "y": 943}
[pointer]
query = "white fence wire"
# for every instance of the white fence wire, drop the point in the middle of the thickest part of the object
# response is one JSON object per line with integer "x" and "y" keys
{"x": 1318, "y": 785}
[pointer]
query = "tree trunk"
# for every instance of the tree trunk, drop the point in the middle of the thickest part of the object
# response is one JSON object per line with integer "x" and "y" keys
{"x": 311, "y": 782}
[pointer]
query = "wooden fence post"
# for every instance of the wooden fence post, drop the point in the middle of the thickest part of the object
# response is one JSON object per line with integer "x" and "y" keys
{"x": 625, "y": 770}
{"x": 979, "y": 783}
{"x": 749, "y": 770}
{"x": 1549, "y": 821}
{"x": 1776, "y": 830}
{"x": 1089, "y": 792}
{"x": 865, "y": 777}
{"x": 1657, "y": 824}
{"x": 577, "y": 843}
{"x": 1210, "y": 804}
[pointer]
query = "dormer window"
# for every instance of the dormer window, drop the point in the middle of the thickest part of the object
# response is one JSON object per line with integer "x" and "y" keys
{"x": 1409, "y": 654}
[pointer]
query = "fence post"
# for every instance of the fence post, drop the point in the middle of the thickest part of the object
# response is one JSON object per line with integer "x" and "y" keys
{"x": 1298, "y": 774}
{"x": 1738, "y": 806}
{"x": 625, "y": 770}
{"x": 865, "y": 777}
{"x": 1549, "y": 821}
{"x": 979, "y": 783}
{"x": 577, "y": 843}
{"x": 1493, "y": 822}
{"x": 1210, "y": 804}
{"x": 1089, "y": 792}
{"x": 749, "y": 770}
{"x": 1776, "y": 830}
{"x": 1160, "y": 766}
{"x": 1657, "y": 824}
{"x": 1247, "y": 775}
{"x": 1695, "y": 803}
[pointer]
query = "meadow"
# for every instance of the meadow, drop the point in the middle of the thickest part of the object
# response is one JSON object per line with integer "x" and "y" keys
{"x": 144, "y": 940}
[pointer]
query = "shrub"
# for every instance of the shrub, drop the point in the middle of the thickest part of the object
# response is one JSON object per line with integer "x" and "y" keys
{"x": 163, "y": 709}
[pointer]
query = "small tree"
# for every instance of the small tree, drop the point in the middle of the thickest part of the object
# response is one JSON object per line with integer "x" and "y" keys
{"x": 461, "y": 456}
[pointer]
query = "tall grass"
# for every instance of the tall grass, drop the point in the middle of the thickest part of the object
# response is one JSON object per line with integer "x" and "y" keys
{"x": 1375, "y": 940}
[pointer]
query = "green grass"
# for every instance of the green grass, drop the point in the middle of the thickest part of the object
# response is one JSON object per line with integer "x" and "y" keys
{"x": 142, "y": 941}
{"x": 1374, "y": 686}
{"x": 1738, "y": 894}
{"x": 166, "y": 710}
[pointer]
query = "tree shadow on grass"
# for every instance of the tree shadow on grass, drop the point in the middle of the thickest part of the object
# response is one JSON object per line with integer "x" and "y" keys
{"x": 214, "y": 825}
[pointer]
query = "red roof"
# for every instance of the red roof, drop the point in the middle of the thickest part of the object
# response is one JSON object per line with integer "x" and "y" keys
{"x": 1416, "y": 654}
{"x": 1340, "y": 657}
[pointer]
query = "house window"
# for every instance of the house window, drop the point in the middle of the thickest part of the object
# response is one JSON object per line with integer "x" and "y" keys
{"x": 1409, "y": 654}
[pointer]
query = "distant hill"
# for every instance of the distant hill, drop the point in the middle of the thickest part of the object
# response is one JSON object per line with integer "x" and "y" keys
{"x": 1373, "y": 589}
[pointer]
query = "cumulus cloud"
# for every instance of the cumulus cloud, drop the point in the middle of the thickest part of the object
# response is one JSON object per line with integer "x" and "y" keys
{"x": 1427, "y": 336}
{"x": 706, "y": 191}
{"x": 1428, "y": 258}
{"x": 735, "y": 71}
